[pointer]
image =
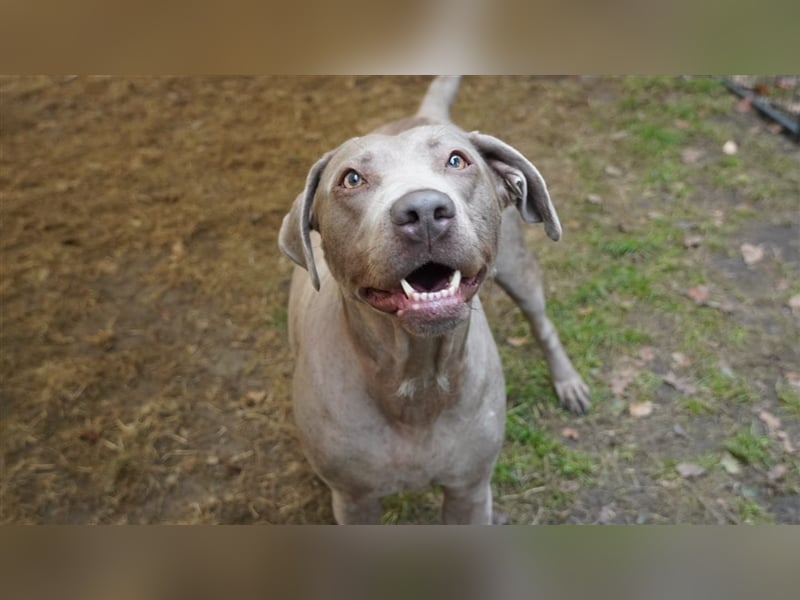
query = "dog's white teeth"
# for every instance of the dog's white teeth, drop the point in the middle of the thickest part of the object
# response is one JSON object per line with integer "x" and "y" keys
{"x": 455, "y": 281}
{"x": 415, "y": 296}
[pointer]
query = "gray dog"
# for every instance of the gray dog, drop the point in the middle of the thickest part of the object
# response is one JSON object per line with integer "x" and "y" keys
{"x": 398, "y": 383}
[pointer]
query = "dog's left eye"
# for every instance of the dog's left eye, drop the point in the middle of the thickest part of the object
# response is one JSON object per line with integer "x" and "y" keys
{"x": 457, "y": 161}
{"x": 352, "y": 179}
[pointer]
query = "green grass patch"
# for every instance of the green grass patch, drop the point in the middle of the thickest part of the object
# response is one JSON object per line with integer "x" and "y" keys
{"x": 644, "y": 385}
{"x": 789, "y": 399}
{"x": 724, "y": 386}
{"x": 751, "y": 512}
{"x": 699, "y": 406}
{"x": 628, "y": 246}
{"x": 532, "y": 454}
{"x": 654, "y": 141}
{"x": 527, "y": 379}
{"x": 749, "y": 447}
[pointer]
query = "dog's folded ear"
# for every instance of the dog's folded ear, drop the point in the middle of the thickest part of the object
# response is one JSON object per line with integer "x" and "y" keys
{"x": 294, "y": 238}
{"x": 522, "y": 182}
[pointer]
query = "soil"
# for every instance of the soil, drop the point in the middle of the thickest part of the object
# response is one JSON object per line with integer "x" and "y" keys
{"x": 145, "y": 369}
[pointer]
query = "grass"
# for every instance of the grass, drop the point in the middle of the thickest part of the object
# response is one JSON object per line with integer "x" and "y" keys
{"x": 752, "y": 513}
{"x": 700, "y": 406}
{"x": 789, "y": 399}
{"x": 533, "y": 456}
{"x": 749, "y": 447}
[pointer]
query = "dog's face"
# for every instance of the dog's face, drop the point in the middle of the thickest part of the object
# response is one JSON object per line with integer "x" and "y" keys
{"x": 410, "y": 222}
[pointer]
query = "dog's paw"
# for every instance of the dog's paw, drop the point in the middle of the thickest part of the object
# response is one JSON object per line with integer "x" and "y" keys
{"x": 574, "y": 394}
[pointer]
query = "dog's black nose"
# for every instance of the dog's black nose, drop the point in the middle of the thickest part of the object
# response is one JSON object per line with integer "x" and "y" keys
{"x": 423, "y": 215}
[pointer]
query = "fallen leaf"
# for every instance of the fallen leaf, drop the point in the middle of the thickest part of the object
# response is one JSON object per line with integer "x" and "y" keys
{"x": 698, "y": 293}
{"x": 730, "y": 148}
{"x": 585, "y": 310}
{"x": 679, "y": 359}
{"x": 683, "y": 385}
{"x": 613, "y": 171}
{"x": 640, "y": 409}
{"x": 726, "y": 307}
{"x": 752, "y": 253}
{"x": 594, "y": 199}
{"x": 692, "y": 241}
{"x": 690, "y": 470}
{"x": 569, "y": 433}
{"x": 730, "y": 464}
{"x": 786, "y": 442}
{"x": 681, "y": 124}
{"x": 607, "y": 515}
{"x": 647, "y": 354}
{"x": 692, "y": 155}
{"x": 761, "y": 88}
{"x": 744, "y": 105}
{"x": 794, "y": 304}
{"x": 772, "y": 422}
{"x": 777, "y": 472}
{"x": 621, "y": 379}
{"x": 517, "y": 342}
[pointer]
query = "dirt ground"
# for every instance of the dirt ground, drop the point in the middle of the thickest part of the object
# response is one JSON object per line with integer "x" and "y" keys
{"x": 145, "y": 369}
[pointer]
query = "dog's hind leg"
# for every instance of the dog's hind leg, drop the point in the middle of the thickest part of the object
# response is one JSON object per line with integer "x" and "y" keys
{"x": 518, "y": 273}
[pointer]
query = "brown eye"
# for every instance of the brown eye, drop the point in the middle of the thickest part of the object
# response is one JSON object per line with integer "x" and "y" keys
{"x": 352, "y": 179}
{"x": 457, "y": 161}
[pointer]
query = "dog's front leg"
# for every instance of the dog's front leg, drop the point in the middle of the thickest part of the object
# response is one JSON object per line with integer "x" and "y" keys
{"x": 519, "y": 275}
{"x": 470, "y": 504}
{"x": 350, "y": 509}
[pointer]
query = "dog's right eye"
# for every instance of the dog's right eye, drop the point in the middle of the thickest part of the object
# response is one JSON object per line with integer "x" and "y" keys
{"x": 457, "y": 161}
{"x": 352, "y": 179}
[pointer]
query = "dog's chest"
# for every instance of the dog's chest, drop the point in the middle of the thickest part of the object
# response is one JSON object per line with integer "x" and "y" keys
{"x": 414, "y": 458}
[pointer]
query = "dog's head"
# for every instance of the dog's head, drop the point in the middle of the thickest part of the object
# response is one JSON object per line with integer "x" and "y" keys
{"x": 410, "y": 223}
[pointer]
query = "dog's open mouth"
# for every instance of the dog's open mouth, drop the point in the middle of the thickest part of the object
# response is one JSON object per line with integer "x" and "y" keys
{"x": 433, "y": 290}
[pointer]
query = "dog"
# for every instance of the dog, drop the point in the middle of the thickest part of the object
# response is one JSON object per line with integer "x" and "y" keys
{"x": 398, "y": 382}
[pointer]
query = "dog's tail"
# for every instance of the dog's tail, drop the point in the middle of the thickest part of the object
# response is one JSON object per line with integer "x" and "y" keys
{"x": 441, "y": 93}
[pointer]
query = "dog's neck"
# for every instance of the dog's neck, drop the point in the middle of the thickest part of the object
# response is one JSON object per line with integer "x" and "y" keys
{"x": 411, "y": 378}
